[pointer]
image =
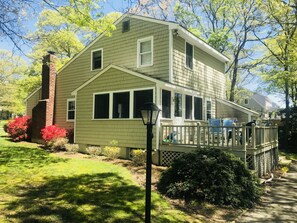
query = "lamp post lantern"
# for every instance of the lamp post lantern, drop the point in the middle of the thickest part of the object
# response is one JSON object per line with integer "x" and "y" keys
{"x": 149, "y": 115}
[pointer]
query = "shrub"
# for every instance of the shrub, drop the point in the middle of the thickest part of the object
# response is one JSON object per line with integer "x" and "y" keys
{"x": 5, "y": 128}
{"x": 112, "y": 151}
{"x": 94, "y": 150}
{"x": 54, "y": 137}
{"x": 72, "y": 148}
{"x": 57, "y": 144}
{"x": 52, "y": 132}
{"x": 211, "y": 175}
{"x": 18, "y": 128}
{"x": 138, "y": 157}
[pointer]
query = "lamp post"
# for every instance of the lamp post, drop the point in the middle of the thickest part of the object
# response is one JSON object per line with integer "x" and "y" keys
{"x": 149, "y": 115}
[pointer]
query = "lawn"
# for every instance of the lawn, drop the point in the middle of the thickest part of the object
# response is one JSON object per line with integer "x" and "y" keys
{"x": 36, "y": 186}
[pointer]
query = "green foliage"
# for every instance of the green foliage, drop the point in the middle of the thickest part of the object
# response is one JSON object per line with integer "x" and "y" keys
{"x": 112, "y": 151}
{"x": 211, "y": 175}
{"x": 71, "y": 148}
{"x": 94, "y": 150}
{"x": 138, "y": 157}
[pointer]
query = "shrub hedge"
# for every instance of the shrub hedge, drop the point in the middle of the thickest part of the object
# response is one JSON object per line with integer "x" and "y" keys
{"x": 213, "y": 176}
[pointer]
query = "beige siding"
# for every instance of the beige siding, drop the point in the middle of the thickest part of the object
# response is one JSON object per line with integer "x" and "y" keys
{"x": 129, "y": 132}
{"x": 207, "y": 75}
{"x": 225, "y": 111}
{"x": 32, "y": 102}
{"x": 119, "y": 49}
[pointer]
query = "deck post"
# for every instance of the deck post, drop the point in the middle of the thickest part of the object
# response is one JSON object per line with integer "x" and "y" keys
{"x": 198, "y": 135}
{"x": 244, "y": 140}
{"x": 160, "y": 134}
{"x": 253, "y": 136}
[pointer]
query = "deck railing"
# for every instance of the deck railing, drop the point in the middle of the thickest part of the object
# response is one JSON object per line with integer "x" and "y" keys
{"x": 236, "y": 137}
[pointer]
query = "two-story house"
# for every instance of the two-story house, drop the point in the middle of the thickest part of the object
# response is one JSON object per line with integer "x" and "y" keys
{"x": 100, "y": 91}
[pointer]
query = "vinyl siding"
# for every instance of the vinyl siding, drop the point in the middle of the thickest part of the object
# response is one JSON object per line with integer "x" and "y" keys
{"x": 119, "y": 49}
{"x": 207, "y": 75}
{"x": 32, "y": 102}
{"x": 129, "y": 133}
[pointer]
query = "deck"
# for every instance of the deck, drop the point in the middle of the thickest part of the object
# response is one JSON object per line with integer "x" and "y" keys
{"x": 255, "y": 145}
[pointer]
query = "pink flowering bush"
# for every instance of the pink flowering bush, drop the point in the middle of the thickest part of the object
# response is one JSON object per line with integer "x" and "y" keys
{"x": 18, "y": 128}
{"x": 53, "y": 132}
{"x": 54, "y": 137}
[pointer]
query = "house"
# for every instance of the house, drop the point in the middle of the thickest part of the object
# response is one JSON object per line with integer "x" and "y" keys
{"x": 100, "y": 91}
{"x": 262, "y": 104}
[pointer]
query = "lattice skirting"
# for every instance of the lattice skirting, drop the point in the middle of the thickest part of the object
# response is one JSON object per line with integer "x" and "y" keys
{"x": 264, "y": 162}
{"x": 167, "y": 157}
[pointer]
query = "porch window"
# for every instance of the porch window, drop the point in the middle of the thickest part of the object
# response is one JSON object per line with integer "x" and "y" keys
{"x": 166, "y": 104}
{"x": 189, "y": 106}
{"x": 70, "y": 109}
{"x": 141, "y": 97}
{"x": 208, "y": 110}
{"x": 145, "y": 52}
{"x": 178, "y": 107}
{"x": 121, "y": 105}
{"x": 189, "y": 55}
{"x": 197, "y": 108}
{"x": 97, "y": 59}
{"x": 101, "y": 106}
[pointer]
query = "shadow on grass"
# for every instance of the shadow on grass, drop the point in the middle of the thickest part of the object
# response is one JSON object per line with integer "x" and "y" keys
{"x": 24, "y": 157}
{"x": 104, "y": 197}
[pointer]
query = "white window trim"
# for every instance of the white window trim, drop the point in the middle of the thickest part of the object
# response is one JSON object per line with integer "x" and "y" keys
{"x": 131, "y": 105}
{"x": 194, "y": 108}
{"x": 68, "y": 100}
{"x": 192, "y": 102}
{"x": 185, "y": 64}
{"x": 151, "y": 38}
{"x": 100, "y": 49}
{"x": 211, "y": 114}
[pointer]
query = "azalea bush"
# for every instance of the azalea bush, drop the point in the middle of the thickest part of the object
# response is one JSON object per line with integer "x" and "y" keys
{"x": 54, "y": 137}
{"x": 18, "y": 129}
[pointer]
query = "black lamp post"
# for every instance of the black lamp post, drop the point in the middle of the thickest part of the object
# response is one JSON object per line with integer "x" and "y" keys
{"x": 149, "y": 115}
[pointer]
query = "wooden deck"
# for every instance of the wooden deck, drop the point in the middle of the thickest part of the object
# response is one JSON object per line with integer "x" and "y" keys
{"x": 250, "y": 143}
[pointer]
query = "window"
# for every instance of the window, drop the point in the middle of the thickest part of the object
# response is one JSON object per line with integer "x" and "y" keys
{"x": 208, "y": 110}
{"x": 121, "y": 105}
{"x": 70, "y": 109}
{"x": 126, "y": 26}
{"x": 197, "y": 108}
{"x": 145, "y": 52}
{"x": 166, "y": 104}
{"x": 189, "y": 107}
{"x": 141, "y": 97}
{"x": 178, "y": 105}
{"x": 96, "y": 59}
{"x": 101, "y": 106}
{"x": 246, "y": 101}
{"x": 189, "y": 55}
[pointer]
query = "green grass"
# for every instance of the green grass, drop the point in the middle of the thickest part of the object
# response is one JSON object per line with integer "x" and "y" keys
{"x": 36, "y": 186}
{"x": 289, "y": 155}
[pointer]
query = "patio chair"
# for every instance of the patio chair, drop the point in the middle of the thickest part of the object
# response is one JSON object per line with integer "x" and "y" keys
{"x": 228, "y": 131}
{"x": 170, "y": 138}
{"x": 215, "y": 130}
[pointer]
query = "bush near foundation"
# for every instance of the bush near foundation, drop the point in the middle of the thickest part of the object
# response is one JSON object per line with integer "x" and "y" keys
{"x": 112, "y": 151}
{"x": 213, "y": 176}
{"x": 18, "y": 129}
{"x": 54, "y": 137}
{"x": 138, "y": 157}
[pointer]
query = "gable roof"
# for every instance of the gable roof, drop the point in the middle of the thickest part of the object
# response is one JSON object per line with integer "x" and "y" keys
{"x": 172, "y": 25}
{"x": 238, "y": 107}
{"x": 117, "y": 68}
{"x": 265, "y": 102}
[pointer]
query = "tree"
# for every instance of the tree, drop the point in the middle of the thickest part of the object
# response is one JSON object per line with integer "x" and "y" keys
{"x": 281, "y": 43}
{"x": 12, "y": 70}
{"x": 228, "y": 26}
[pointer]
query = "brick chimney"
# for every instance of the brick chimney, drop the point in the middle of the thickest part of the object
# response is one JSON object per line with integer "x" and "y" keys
{"x": 43, "y": 112}
{"x": 49, "y": 73}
